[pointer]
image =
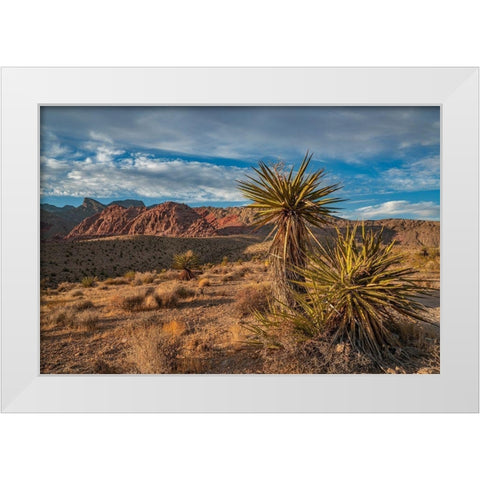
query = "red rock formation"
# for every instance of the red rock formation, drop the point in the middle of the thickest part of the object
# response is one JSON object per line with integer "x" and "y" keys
{"x": 114, "y": 220}
{"x": 227, "y": 221}
{"x": 171, "y": 219}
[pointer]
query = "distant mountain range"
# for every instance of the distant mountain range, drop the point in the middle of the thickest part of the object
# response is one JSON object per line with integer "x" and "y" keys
{"x": 93, "y": 219}
{"x": 57, "y": 222}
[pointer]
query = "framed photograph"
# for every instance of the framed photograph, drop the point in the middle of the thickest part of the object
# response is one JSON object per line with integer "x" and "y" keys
{"x": 240, "y": 239}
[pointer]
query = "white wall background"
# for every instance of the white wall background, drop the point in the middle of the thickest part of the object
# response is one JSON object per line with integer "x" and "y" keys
{"x": 220, "y": 33}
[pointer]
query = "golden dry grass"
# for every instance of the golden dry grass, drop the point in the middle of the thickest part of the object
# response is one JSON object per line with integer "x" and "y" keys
{"x": 169, "y": 326}
{"x": 166, "y": 297}
{"x": 255, "y": 296}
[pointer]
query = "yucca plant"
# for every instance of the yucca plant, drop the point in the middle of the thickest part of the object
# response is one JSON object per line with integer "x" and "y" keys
{"x": 292, "y": 203}
{"x": 357, "y": 290}
{"x": 186, "y": 262}
{"x": 88, "y": 282}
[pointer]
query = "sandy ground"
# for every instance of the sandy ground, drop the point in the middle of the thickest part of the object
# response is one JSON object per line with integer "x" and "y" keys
{"x": 88, "y": 329}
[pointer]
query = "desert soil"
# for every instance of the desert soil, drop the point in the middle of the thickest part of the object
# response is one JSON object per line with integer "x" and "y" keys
{"x": 115, "y": 326}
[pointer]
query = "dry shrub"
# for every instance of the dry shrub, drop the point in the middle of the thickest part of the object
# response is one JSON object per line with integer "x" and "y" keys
{"x": 166, "y": 297}
{"x": 65, "y": 286}
{"x": 314, "y": 356}
{"x": 242, "y": 271}
{"x": 60, "y": 317}
{"x": 145, "y": 278}
{"x": 229, "y": 277}
{"x": 116, "y": 281}
{"x": 168, "y": 275}
{"x": 88, "y": 282}
{"x": 253, "y": 297}
{"x": 102, "y": 367}
{"x": 130, "y": 275}
{"x": 183, "y": 292}
{"x": 77, "y": 293}
{"x": 150, "y": 302}
{"x": 238, "y": 334}
{"x": 83, "y": 305}
{"x": 153, "y": 351}
{"x": 86, "y": 321}
{"x": 204, "y": 282}
{"x": 174, "y": 327}
{"x": 130, "y": 303}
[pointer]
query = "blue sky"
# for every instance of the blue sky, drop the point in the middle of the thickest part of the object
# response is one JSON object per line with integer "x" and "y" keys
{"x": 386, "y": 158}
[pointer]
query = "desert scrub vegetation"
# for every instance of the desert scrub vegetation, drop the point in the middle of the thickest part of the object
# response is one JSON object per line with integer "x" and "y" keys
{"x": 154, "y": 349}
{"x": 253, "y": 298}
{"x": 146, "y": 278}
{"x": 183, "y": 292}
{"x": 204, "y": 282}
{"x": 354, "y": 293}
{"x": 167, "y": 296}
{"x": 186, "y": 262}
{"x": 82, "y": 305}
{"x": 86, "y": 321}
{"x": 132, "y": 302}
{"x": 130, "y": 275}
{"x": 88, "y": 282}
{"x": 60, "y": 317}
{"x": 116, "y": 281}
{"x": 80, "y": 316}
{"x": 292, "y": 204}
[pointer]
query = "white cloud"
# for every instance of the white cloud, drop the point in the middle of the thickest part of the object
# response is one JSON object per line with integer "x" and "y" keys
{"x": 140, "y": 175}
{"x": 100, "y": 137}
{"x": 399, "y": 208}
{"x": 419, "y": 175}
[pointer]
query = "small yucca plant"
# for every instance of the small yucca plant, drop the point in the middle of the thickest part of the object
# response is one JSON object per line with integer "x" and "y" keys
{"x": 88, "y": 282}
{"x": 358, "y": 290}
{"x": 292, "y": 203}
{"x": 186, "y": 262}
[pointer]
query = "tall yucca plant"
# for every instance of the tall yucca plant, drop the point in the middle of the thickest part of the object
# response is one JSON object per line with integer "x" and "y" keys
{"x": 293, "y": 203}
{"x": 358, "y": 289}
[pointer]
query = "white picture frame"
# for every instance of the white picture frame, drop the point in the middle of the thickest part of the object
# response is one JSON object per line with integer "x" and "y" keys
{"x": 24, "y": 389}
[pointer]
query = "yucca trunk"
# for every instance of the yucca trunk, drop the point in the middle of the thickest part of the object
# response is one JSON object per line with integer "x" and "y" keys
{"x": 292, "y": 204}
{"x": 186, "y": 274}
{"x": 288, "y": 257}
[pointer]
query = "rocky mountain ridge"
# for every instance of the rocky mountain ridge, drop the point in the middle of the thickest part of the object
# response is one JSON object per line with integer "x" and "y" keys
{"x": 171, "y": 219}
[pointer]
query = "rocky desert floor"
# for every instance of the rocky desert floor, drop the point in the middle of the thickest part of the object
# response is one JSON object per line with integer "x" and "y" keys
{"x": 147, "y": 321}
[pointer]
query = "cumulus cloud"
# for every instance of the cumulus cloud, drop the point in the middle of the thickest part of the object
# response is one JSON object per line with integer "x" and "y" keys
{"x": 418, "y": 175}
{"x": 140, "y": 175}
{"x": 400, "y": 208}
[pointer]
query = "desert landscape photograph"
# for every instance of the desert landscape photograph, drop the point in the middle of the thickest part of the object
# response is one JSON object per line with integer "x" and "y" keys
{"x": 239, "y": 240}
